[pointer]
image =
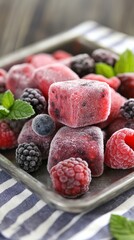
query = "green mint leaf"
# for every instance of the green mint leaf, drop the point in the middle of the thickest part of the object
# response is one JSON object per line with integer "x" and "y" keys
{"x": 1, "y": 97}
{"x": 125, "y": 63}
{"x": 7, "y": 99}
{"x": 104, "y": 69}
{"x": 20, "y": 110}
{"x": 4, "y": 111}
{"x": 121, "y": 228}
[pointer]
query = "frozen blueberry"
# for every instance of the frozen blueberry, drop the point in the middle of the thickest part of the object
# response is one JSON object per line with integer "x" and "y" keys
{"x": 43, "y": 125}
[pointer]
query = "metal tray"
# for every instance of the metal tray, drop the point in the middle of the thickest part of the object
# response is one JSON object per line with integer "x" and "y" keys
{"x": 102, "y": 189}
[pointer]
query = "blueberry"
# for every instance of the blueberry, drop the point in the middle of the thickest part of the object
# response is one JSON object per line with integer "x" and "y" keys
{"x": 43, "y": 125}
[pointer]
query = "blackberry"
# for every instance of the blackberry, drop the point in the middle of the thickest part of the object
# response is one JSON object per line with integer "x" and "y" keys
{"x": 106, "y": 56}
{"x": 35, "y": 98}
{"x": 83, "y": 65}
{"x": 28, "y": 157}
{"x": 127, "y": 110}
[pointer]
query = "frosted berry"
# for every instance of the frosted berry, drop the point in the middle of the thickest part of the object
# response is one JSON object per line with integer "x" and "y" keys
{"x": 127, "y": 85}
{"x": 106, "y": 56}
{"x": 35, "y": 98}
{"x": 119, "y": 153}
{"x": 19, "y": 77}
{"x": 71, "y": 177}
{"x": 41, "y": 59}
{"x": 43, "y": 125}
{"x": 113, "y": 82}
{"x": 8, "y": 137}
{"x": 2, "y": 80}
{"x": 127, "y": 110}
{"x": 28, "y": 157}
{"x": 83, "y": 65}
{"x": 60, "y": 55}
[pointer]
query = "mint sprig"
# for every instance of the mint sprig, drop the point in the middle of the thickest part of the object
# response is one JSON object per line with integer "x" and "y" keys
{"x": 14, "y": 109}
{"x": 124, "y": 64}
{"x": 104, "y": 69}
{"x": 121, "y": 228}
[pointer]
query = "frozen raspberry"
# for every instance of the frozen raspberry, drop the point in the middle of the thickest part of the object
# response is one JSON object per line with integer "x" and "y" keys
{"x": 127, "y": 85}
{"x": 8, "y": 137}
{"x": 43, "y": 125}
{"x": 71, "y": 177}
{"x": 106, "y": 56}
{"x": 28, "y": 157}
{"x": 60, "y": 55}
{"x": 35, "y": 98}
{"x": 119, "y": 152}
{"x": 83, "y": 65}
{"x": 19, "y": 77}
{"x": 113, "y": 82}
{"x": 2, "y": 80}
{"x": 41, "y": 59}
{"x": 127, "y": 110}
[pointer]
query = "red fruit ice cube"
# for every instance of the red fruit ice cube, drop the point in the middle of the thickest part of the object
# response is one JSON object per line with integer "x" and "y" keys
{"x": 45, "y": 76}
{"x": 19, "y": 77}
{"x": 39, "y": 60}
{"x": 79, "y": 103}
{"x": 113, "y": 82}
{"x": 85, "y": 143}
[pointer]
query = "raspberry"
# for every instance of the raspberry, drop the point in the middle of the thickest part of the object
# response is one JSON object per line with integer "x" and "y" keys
{"x": 127, "y": 85}
{"x": 71, "y": 177}
{"x": 2, "y": 80}
{"x": 83, "y": 65}
{"x": 60, "y": 55}
{"x": 106, "y": 56}
{"x": 8, "y": 137}
{"x": 35, "y": 98}
{"x": 127, "y": 110}
{"x": 119, "y": 153}
{"x": 28, "y": 156}
{"x": 113, "y": 82}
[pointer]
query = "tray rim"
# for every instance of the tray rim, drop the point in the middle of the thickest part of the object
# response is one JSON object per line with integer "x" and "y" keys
{"x": 36, "y": 186}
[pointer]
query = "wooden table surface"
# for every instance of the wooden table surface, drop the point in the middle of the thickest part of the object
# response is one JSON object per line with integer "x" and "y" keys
{"x": 26, "y": 21}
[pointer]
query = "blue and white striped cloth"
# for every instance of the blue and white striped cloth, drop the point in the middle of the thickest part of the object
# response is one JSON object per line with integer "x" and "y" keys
{"x": 23, "y": 216}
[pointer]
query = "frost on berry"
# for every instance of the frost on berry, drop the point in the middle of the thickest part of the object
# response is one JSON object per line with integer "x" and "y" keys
{"x": 119, "y": 152}
{"x": 71, "y": 177}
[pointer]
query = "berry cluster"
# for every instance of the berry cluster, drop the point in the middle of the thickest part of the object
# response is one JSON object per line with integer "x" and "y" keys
{"x": 78, "y": 115}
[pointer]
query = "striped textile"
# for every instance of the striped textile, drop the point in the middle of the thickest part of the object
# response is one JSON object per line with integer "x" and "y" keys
{"x": 23, "y": 216}
{"x": 108, "y": 38}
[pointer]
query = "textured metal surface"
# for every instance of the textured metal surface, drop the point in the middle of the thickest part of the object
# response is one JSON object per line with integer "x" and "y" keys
{"x": 102, "y": 189}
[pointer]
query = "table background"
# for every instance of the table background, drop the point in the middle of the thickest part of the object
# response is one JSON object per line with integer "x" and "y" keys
{"x": 23, "y": 22}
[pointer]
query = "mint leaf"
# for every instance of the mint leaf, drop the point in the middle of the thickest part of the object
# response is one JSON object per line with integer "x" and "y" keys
{"x": 7, "y": 99}
{"x": 1, "y": 97}
{"x": 125, "y": 63}
{"x": 104, "y": 69}
{"x": 20, "y": 110}
{"x": 121, "y": 228}
{"x": 4, "y": 111}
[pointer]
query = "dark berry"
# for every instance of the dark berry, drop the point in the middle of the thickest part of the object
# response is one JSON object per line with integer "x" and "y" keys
{"x": 35, "y": 98}
{"x": 43, "y": 125}
{"x": 2, "y": 80}
{"x": 28, "y": 157}
{"x": 127, "y": 110}
{"x": 71, "y": 177}
{"x": 83, "y": 65}
{"x": 106, "y": 56}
